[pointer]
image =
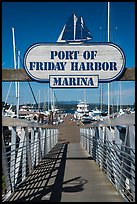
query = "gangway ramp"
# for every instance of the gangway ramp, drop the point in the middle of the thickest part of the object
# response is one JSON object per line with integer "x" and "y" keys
{"x": 67, "y": 174}
{"x": 84, "y": 181}
{"x": 71, "y": 171}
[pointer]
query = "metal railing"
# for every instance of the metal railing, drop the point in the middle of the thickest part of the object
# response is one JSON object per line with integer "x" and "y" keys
{"x": 112, "y": 145}
{"x": 23, "y": 146}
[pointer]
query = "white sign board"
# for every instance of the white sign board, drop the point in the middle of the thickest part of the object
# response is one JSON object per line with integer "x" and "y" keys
{"x": 73, "y": 81}
{"x": 45, "y": 60}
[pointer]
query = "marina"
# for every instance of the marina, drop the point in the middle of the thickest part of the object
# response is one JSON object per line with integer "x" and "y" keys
{"x": 68, "y": 106}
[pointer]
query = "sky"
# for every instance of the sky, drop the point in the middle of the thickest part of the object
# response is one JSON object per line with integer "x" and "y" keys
{"x": 36, "y": 22}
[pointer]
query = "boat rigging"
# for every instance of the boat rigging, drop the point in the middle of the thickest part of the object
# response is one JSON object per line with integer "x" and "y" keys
{"x": 75, "y": 30}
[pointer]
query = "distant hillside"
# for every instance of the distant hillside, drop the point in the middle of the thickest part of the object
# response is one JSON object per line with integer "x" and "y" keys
{"x": 68, "y": 102}
{"x": 70, "y": 105}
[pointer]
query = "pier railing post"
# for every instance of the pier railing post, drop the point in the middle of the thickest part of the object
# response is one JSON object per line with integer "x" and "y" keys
{"x": 24, "y": 156}
{"x": 28, "y": 146}
{"x": 19, "y": 153}
{"x": 36, "y": 146}
{"x": 5, "y": 167}
{"x": 32, "y": 147}
{"x": 45, "y": 142}
{"x": 40, "y": 144}
{"x": 48, "y": 140}
{"x": 13, "y": 157}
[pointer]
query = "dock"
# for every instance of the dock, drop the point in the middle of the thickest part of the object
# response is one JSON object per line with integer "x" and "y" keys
{"x": 70, "y": 172}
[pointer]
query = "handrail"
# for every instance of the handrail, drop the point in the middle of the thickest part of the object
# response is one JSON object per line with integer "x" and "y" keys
{"x": 125, "y": 119}
{"x": 8, "y": 121}
{"x": 112, "y": 146}
{"x": 28, "y": 143}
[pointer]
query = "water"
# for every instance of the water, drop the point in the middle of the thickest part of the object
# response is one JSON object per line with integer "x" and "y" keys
{"x": 69, "y": 111}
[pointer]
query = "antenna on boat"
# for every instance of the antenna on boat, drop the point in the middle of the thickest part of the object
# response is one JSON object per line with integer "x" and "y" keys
{"x": 108, "y": 41}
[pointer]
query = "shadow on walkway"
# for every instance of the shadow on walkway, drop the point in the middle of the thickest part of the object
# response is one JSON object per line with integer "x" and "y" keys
{"x": 45, "y": 182}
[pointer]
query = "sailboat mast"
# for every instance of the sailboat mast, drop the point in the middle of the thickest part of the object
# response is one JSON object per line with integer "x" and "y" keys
{"x": 53, "y": 99}
{"x": 14, "y": 49}
{"x": 108, "y": 41}
{"x": 75, "y": 22}
{"x": 39, "y": 101}
{"x": 81, "y": 28}
{"x": 84, "y": 100}
{"x": 75, "y": 19}
{"x": 48, "y": 99}
{"x": 120, "y": 101}
{"x": 15, "y": 66}
{"x": 44, "y": 105}
{"x": 18, "y": 86}
{"x": 108, "y": 21}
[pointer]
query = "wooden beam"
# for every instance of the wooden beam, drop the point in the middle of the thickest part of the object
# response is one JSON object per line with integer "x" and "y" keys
{"x": 15, "y": 75}
{"x": 21, "y": 75}
{"x": 129, "y": 75}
